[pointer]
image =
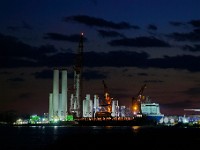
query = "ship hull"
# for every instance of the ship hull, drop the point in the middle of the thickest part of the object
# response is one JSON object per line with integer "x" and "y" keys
{"x": 151, "y": 111}
{"x": 156, "y": 118}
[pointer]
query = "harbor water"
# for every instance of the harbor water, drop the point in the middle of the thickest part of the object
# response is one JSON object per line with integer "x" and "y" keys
{"x": 96, "y": 137}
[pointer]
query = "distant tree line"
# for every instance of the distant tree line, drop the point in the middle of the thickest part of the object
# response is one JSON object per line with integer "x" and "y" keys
{"x": 9, "y": 117}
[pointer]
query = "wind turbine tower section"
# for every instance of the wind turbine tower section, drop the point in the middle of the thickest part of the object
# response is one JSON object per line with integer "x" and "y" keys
{"x": 55, "y": 92}
{"x": 57, "y": 99}
{"x": 63, "y": 107}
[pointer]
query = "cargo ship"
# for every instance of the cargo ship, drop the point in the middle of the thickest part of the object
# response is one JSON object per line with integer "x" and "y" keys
{"x": 151, "y": 110}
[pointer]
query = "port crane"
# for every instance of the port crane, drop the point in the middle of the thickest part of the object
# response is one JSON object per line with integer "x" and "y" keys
{"x": 106, "y": 107}
{"x": 106, "y": 103}
{"x": 136, "y": 101}
{"x": 76, "y": 97}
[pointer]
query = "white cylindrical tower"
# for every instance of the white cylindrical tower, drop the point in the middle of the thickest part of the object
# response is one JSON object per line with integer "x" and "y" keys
{"x": 115, "y": 108}
{"x": 122, "y": 111}
{"x": 55, "y": 92}
{"x": 96, "y": 103}
{"x": 87, "y": 107}
{"x": 50, "y": 106}
{"x": 85, "y": 104}
{"x": 63, "y": 109}
{"x": 59, "y": 106}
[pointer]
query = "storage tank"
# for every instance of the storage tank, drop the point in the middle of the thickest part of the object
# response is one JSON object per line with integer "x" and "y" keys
{"x": 87, "y": 107}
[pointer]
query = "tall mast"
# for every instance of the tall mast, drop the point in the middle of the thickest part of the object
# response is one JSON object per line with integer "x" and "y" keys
{"x": 78, "y": 78}
{"x": 79, "y": 56}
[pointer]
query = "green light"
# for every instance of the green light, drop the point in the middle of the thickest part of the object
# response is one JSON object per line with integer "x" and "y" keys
{"x": 34, "y": 119}
{"x": 69, "y": 118}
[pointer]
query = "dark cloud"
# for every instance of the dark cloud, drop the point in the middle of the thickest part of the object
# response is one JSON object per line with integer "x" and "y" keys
{"x": 115, "y": 58}
{"x": 59, "y": 60}
{"x": 13, "y": 28}
{"x": 46, "y": 49}
{"x": 18, "y": 28}
{"x": 152, "y": 27}
{"x": 26, "y": 26}
{"x": 195, "y": 48}
{"x": 98, "y": 22}
{"x": 61, "y": 37}
{"x": 177, "y": 24}
{"x": 12, "y": 47}
{"x": 193, "y": 36}
{"x": 187, "y": 62}
{"x": 141, "y": 60}
{"x": 139, "y": 42}
{"x": 152, "y": 81}
{"x": 17, "y": 54}
{"x": 90, "y": 74}
{"x": 194, "y": 92}
{"x": 44, "y": 74}
{"x": 176, "y": 105}
{"x": 5, "y": 73}
{"x": 104, "y": 33}
{"x": 195, "y": 23}
{"x": 142, "y": 74}
{"x": 16, "y": 79}
{"x": 25, "y": 95}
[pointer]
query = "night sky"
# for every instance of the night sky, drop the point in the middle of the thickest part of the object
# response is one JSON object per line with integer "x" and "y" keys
{"x": 127, "y": 43}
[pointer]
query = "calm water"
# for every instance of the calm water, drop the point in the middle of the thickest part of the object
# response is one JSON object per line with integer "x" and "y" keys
{"x": 57, "y": 137}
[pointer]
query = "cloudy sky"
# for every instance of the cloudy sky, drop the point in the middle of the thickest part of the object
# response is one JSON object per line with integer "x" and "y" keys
{"x": 127, "y": 43}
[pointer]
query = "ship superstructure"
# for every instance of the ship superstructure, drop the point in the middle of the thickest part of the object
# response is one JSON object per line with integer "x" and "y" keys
{"x": 151, "y": 110}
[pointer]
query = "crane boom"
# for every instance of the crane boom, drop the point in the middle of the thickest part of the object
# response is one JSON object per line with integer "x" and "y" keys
{"x": 136, "y": 101}
{"x": 77, "y": 89}
{"x": 139, "y": 95}
{"x": 107, "y": 99}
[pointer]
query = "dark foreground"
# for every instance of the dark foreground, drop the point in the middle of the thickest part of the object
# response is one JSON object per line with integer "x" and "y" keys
{"x": 98, "y": 137}
{"x": 146, "y": 137}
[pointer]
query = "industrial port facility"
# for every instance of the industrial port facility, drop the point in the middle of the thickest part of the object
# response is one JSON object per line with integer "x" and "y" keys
{"x": 78, "y": 107}
{"x": 73, "y": 105}
{"x": 68, "y": 106}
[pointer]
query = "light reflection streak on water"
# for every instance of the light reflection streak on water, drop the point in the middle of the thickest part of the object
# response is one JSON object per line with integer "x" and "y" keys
{"x": 115, "y": 129}
{"x": 136, "y": 129}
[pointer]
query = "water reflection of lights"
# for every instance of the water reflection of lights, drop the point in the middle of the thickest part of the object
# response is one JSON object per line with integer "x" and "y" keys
{"x": 136, "y": 129}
